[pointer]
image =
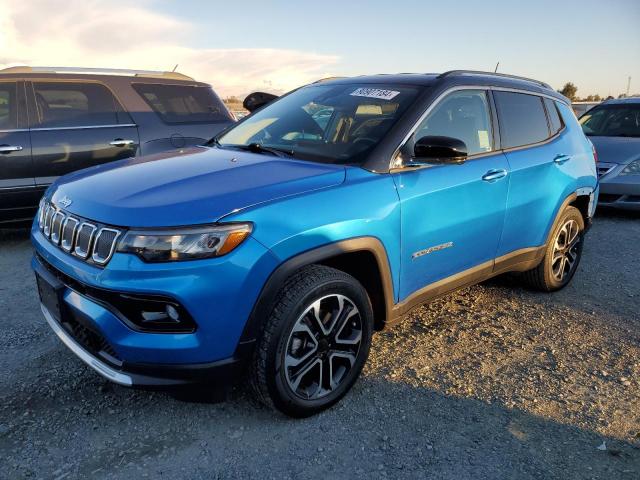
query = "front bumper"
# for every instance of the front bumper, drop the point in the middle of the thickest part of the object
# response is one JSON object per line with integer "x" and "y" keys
{"x": 619, "y": 191}
{"x": 218, "y": 294}
{"x": 152, "y": 376}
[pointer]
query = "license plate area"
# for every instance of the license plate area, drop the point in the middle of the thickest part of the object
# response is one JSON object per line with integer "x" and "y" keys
{"x": 50, "y": 295}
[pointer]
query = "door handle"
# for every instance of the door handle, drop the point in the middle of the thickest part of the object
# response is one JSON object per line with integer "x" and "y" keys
{"x": 561, "y": 158}
{"x": 9, "y": 148}
{"x": 494, "y": 174}
{"x": 120, "y": 142}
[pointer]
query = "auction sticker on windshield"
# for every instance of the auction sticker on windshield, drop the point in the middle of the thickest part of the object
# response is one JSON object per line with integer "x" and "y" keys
{"x": 374, "y": 93}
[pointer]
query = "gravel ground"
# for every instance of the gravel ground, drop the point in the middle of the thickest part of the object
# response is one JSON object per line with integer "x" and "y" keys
{"x": 494, "y": 381}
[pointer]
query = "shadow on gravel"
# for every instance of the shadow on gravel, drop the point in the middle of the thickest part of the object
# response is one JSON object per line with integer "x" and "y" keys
{"x": 383, "y": 429}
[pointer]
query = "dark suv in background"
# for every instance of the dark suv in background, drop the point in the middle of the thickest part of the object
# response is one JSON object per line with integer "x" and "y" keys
{"x": 57, "y": 120}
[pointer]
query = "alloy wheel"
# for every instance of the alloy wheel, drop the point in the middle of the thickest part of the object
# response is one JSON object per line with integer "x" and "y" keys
{"x": 323, "y": 346}
{"x": 566, "y": 250}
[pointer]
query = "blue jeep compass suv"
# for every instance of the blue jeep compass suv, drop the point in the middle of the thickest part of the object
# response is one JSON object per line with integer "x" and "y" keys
{"x": 280, "y": 247}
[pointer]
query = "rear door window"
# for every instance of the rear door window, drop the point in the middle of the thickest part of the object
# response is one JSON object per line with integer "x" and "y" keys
{"x": 71, "y": 104}
{"x": 8, "y": 106}
{"x": 554, "y": 116}
{"x": 183, "y": 103}
{"x": 522, "y": 119}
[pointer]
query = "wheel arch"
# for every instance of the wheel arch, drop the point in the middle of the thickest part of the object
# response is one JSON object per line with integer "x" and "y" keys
{"x": 582, "y": 202}
{"x": 581, "y": 199}
{"x": 364, "y": 258}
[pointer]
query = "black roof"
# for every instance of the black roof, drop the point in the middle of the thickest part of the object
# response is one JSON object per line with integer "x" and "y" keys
{"x": 454, "y": 77}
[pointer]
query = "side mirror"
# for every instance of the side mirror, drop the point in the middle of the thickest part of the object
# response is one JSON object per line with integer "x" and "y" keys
{"x": 440, "y": 150}
{"x": 255, "y": 100}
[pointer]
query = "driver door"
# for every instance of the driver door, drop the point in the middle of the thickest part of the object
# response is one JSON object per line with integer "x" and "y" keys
{"x": 452, "y": 215}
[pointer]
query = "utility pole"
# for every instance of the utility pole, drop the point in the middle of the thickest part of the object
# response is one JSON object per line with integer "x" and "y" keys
{"x": 628, "y": 86}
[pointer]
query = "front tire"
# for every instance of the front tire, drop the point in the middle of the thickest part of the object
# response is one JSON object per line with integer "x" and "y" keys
{"x": 314, "y": 343}
{"x": 562, "y": 254}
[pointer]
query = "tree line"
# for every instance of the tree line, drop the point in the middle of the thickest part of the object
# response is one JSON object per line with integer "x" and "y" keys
{"x": 571, "y": 92}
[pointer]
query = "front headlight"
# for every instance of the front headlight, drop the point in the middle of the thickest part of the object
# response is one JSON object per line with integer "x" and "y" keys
{"x": 184, "y": 243}
{"x": 632, "y": 169}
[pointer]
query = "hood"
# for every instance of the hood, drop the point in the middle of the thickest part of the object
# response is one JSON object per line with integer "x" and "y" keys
{"x": 621, "y": 150}
{"x": 193, "y": 186}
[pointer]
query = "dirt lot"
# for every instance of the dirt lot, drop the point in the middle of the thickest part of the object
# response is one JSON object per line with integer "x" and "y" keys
{"x": 492, "y": 382}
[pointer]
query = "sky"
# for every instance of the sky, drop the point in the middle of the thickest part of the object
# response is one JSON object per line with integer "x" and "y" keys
{"x": 244, "y": 45}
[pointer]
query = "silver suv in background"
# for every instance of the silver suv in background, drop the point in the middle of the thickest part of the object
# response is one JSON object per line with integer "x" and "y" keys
{"x": 614, "y": 129}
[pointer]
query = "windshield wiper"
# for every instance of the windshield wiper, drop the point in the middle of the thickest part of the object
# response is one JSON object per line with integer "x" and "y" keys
{"x": 259, "y": 148}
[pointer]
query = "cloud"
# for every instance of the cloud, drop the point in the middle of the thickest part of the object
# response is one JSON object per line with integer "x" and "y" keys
{"x": 113, "y": 34}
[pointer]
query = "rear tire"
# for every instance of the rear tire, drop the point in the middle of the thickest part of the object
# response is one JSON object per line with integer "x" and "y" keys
{"x": 314, "y": 343}
{"x": 562, "y": 254}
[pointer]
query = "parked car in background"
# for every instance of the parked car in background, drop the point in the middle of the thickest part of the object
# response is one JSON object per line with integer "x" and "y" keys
{"x": 614, "y": 129}
{"x": 238, "y": 114}
{"x": 54, "y": 121}
{"x": 282, "y": 245}
{"x": 580, "y": 108}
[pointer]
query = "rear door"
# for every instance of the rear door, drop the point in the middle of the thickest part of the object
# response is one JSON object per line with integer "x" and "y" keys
{"x": 539, "y": 153}
{"x": 76, "y": 124}
{"x": 18, "y": 198}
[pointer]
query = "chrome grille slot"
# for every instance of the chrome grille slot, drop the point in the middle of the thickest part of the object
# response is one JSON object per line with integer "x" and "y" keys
{"x": 48, "y": 217}
{"x": 68, "y": 233}
{"x": 83, "y": 242}
{"x": 41, "y": 212}
{"x": 93, "y": 242}
{"x": 56, "y": 227}
{"x": 104, "y": 245}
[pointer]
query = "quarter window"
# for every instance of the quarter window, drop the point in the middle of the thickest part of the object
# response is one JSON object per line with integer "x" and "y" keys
{"x": 183, "y": 103}
{"x": 522, "y": 119}
{"x": 8, "y": 110}
{"x": 554, "y": 117}
{"x": 77, "y": 105}
{"x": 463, "y": 115}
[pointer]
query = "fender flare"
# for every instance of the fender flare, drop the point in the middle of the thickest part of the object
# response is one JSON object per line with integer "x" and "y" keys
{"x": 580, "y": 192}
{"x": 265, "y": 302}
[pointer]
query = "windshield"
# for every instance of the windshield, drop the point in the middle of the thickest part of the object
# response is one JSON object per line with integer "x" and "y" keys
{"x": 325, "y": 123}
{"x": 622, "y": 120}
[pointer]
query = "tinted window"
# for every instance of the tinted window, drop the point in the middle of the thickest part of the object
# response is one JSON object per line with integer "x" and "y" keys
{"x": 183, "y": 103}
{"x": 522, "y": 119}
{"x": 463, "y": 115}
{"x": 8, "y": 110}
{"x": 621, "y": 120}
{"x": 332, "y": 123}
{"x": 68, "y": 104}
{"x": 554, "y": 116}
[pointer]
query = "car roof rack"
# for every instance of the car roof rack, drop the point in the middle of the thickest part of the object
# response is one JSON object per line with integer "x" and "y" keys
{"x": 98, "y": 71}
{"x": 327, "y": 79}
{"x": 492, "y": 74}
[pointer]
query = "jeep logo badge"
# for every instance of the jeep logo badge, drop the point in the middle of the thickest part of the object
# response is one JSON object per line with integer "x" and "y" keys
{"x": 65, "y": 201}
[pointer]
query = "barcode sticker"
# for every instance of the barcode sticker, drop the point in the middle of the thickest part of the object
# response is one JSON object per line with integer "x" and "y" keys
{"x": 374, "y": 93}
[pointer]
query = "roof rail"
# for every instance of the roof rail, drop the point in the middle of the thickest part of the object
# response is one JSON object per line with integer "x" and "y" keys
{"x": 493, "y": 74}
{"x": 327, "y": 79}
{"x": 98, "y": 71}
